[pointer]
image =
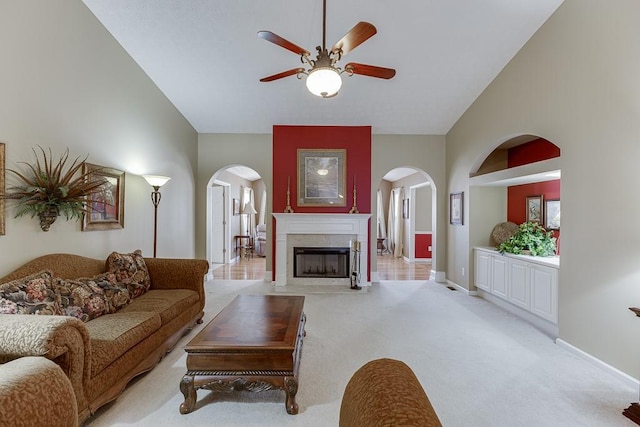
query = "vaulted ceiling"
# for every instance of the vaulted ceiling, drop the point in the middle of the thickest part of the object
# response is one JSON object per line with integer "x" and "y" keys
{"x": 206, "y": 58}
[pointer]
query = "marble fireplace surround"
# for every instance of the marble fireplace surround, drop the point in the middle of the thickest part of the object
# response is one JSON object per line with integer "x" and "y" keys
{"x": 293, "y": 227}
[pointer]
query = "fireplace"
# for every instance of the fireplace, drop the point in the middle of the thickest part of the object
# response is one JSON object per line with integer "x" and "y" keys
{"x": 330, "y": 262}
{"x": 316, "y": 231}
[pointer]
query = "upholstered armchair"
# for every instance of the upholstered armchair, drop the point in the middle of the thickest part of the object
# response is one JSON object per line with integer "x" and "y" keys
{"x": 261, "y": 240}
{"x": 34, "y": 391}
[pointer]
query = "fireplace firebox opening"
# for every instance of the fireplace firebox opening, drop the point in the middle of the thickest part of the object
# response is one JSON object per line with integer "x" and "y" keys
{"x": 331, "y": 262}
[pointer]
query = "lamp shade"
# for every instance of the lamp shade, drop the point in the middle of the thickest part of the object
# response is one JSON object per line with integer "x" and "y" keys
{"x": 248, "y": 209}
{"x": 156, "y": 180}
{"x": 324, "y": 81}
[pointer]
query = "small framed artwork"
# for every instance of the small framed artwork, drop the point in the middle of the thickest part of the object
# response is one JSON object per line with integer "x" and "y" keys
{"x": 534, "y": 209}
{"x": 552, "y": 214}
{"x": 321, "y": 177}
{"x": 105, "y": 208}
{"x": 405, "y": 208}
{"x": 236, "y": 206}
{"x": 456, "y": 208}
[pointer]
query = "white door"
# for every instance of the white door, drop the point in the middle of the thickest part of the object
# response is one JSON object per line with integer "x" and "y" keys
{"x": 216, "y": 237}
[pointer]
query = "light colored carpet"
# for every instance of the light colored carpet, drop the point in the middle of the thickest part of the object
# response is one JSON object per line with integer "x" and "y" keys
{"x": 478, "y": 364}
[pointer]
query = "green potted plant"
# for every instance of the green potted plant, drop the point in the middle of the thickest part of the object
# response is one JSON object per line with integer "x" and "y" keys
{"x": 530, "y": 239}
{"x": 49, "y": 189}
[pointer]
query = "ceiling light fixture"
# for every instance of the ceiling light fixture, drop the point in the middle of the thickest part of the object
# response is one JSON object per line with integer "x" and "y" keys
{"x": 323, "y": 76}
{"x": 324, "y": 82}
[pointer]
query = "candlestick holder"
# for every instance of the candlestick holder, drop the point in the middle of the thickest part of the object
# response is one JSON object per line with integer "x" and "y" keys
{"x": 288, "y": 209}
{"x": 354, "y": 208}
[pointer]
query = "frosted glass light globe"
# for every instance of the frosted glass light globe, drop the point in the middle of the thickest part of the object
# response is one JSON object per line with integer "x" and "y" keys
{"x": 324, "y": 82}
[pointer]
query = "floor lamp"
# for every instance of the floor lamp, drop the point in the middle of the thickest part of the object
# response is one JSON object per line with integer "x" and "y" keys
{"x": 247, "y": 210}
{"x": 156, "y": 182}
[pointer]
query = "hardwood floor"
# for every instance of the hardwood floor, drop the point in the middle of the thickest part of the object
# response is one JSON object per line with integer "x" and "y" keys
{"x": 389, "y": 268}
{"x": 244, "y": 269}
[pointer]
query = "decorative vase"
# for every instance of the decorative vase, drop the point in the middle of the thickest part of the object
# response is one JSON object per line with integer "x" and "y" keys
{"x": 48, "y": 217}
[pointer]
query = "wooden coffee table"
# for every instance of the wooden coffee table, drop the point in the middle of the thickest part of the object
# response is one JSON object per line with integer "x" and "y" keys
{"x": 253, "y": 344}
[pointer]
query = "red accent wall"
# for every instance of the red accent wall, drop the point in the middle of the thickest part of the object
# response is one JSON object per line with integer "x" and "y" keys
{"x": 422, "y": 243}
{"x": 517, "y": 200}
{"x": 534, "y": 151}
{"x": 517, "y": 194}
{"x": 356, "y": 140}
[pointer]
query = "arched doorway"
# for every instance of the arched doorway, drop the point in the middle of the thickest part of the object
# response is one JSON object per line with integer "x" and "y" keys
{"x": 406, "y": 225}
{"x": 522, "y": 172}
{"x": 236, "y": 214}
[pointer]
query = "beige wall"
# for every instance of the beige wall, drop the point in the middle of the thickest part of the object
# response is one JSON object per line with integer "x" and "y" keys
{"x": 576, "y": 84}
{"x": 65, "y": 82}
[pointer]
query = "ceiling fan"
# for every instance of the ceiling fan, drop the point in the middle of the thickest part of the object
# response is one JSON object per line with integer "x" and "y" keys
{"x": 323, "y": 78}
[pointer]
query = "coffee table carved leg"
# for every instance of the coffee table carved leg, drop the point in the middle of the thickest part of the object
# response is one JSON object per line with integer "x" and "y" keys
{"x": 291, "y": 389}
{"x": 190, "y": 394}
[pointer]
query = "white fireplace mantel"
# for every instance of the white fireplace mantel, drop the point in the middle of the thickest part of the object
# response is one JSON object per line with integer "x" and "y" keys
{"x": 356, "y": 225}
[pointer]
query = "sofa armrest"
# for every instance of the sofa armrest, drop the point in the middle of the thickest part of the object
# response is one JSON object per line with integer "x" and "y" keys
{"x": 36, "y": 382}
{"x": 63, "y": 339}
{"x": 386, "y": 392}
{"x": 168, "y": 273}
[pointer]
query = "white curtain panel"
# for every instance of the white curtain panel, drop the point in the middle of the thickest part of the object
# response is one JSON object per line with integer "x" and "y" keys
{"x": 263, "y": 207}
{"x": 382, "y": 226}
{"x": 252, "y": 217}
{"x": 395, "y": 222}
{"x": 243, "y": 218}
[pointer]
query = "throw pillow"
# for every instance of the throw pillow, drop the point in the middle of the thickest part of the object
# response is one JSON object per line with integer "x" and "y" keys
{"x": 81, "y": 298}
{"x": 116, "y": 296}
{"x": 131, "y": 271}
{"x": 33, "y": 294}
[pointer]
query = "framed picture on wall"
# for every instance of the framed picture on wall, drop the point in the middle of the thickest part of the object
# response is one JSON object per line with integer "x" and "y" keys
{"x": 105, "y": 208}
{"x": 534, "y": 208}
{"x": 456, "y": 208}
{"x": 321, "y": 177}
{"x": 405, "y": 208}
{"x": 552, "y": 214}
{"x": 236, "y": 206}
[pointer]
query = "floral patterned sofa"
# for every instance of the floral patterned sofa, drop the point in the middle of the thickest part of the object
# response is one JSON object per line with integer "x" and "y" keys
{"x": 102, "y": 322}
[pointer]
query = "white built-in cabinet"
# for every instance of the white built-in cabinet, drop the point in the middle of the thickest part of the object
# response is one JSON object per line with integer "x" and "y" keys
{"x": 530, "y": 283}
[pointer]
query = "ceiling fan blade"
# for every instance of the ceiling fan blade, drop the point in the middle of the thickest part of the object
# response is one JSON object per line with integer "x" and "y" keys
{"x": 369, "y": 70}
{"x": 287, "y": 73}
{"x": 359, "y": 34}
{"x": 276, "y": 39}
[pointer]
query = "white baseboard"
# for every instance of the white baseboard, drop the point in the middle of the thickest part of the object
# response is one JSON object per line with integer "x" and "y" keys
{"x": 439, "y": 276}
{"x": 628, "y": 379}
{"x": 375, "y": 277}
{"x": 425, "y": 260}
{"x": 545, "y": 326}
